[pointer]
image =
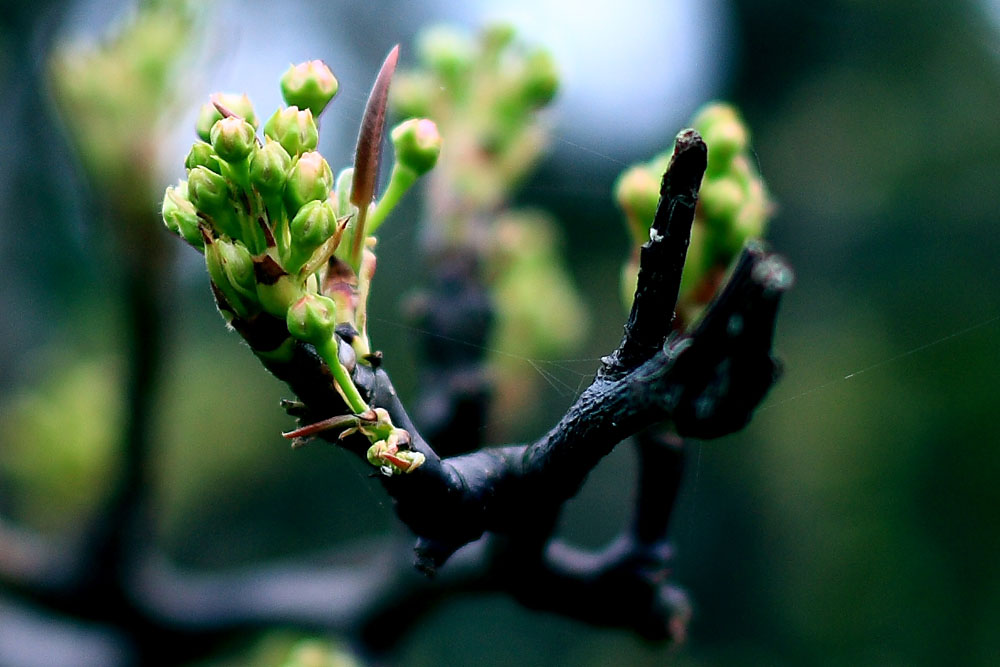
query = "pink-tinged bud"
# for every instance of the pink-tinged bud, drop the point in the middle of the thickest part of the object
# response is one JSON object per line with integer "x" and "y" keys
{"x": 233, "y": 139}
{"x": 310, "y": 85}
{"x": 238, "y": 104}
{"x": 310, "y": 178}
{"x": 418, "y": 144}
{"x": 295, "y": 130}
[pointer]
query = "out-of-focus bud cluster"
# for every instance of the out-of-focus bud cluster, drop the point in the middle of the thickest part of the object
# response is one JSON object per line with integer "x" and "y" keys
{"x": 541, "y": 313}
{"x": 113, "y": 94}
{"x": 269, "y": 217}
{"x": 733, "y": 207}
{"x": 484, "y": 91}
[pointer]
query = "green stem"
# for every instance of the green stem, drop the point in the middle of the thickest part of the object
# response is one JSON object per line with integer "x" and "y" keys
{"x": 401, "y": 180}
{"x": 328, "y": 351}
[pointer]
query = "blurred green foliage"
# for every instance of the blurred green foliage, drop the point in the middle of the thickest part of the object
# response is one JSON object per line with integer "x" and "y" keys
{"x": 62, "y": 438}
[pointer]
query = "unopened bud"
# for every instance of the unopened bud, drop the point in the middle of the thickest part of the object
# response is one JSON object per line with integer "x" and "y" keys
{"x": 497, "y": 36}
{"x": 208, "y": 191}
{"x": 541, "y": 79}
{"x": 310, "y": 228}
{"x": 310, "y": 85}
{"x": 724, "y": 133}
{"x": 721, "y": 199}
{"x": 269, "y": 168}
{"x": 202, "y": 155}
{"x": 637, "y": 191}
{"x": 217, "y": 255}
{"x": 446, "y": 51}
{"x": 207, "y": 117}
{"x": 180, "y": 215}
{"x": 237, "y": 104}
{"x": 418, "y": 144}
{"x": 310, "y": 178}
{"x": 312, "y": 318}
{"x": 294, "y": 129}
{"x": 238, "y": 265}
{"x": 747, "y": 224}
{"x": 233, "y": 139}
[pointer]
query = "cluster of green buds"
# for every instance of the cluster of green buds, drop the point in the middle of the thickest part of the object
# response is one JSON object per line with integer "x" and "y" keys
{"x": 733, "y": 207}
{"x": 283, "y": 238}
{"x": 484, "y": 91}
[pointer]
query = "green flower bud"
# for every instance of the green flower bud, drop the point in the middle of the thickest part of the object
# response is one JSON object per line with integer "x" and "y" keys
{"x": 310, "y": 178}
{"x": 310, "y": 85}
{"x": 497, "y": 36}
{"x": 233, "y": 139}
{"x": 239, "y": 104}
{"x": 180, "y": 215}
{"x": 417, "y": 144}
{"x": 748, "y": 223}
{"x": 310, "y": 228}
{"x": 312, "y": 319}
{"x": 637, "y": 192}
{"x": 541, "y": 79}
{"x": 202, "y": 155}
{"x": 238, "y": 265}
{"x": 295, "y": 130}
{"x": 724, "y": 133}
{"x": 446, "y": 51}
{"x": 269, "y": 168}
{"x": 721, "y": 199}
{"x": 218, "y": 254}
{"x": 207, "y": 117}
{"x": 208, "y": 191}
{"x": 209, "y": 114}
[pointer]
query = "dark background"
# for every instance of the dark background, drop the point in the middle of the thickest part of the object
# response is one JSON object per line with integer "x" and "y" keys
{"x": 854, "y": 522}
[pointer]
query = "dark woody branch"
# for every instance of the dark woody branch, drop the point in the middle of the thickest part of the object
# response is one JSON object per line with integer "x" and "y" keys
{"x": 706, "y": 382}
